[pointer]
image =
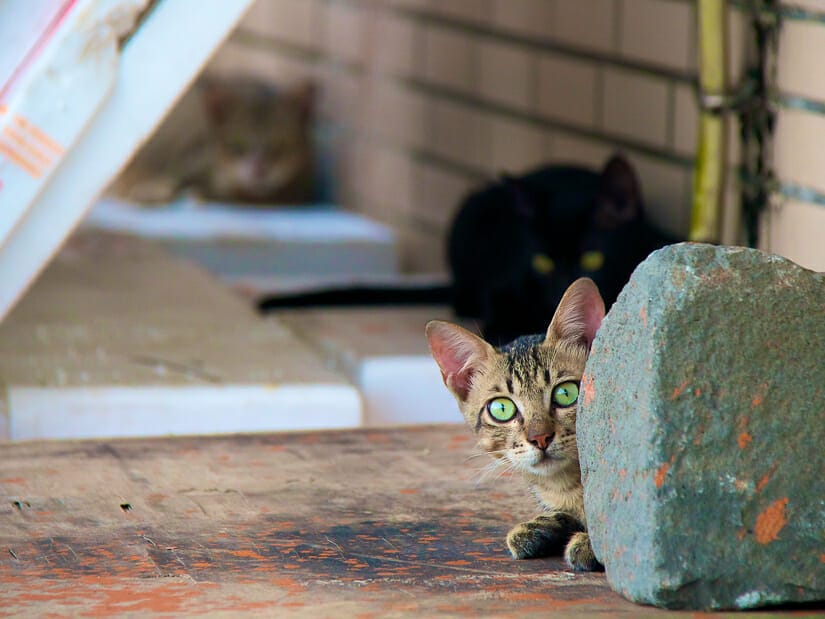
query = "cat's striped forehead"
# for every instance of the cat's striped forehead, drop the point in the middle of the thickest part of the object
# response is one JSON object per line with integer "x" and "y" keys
{"x": 530, "y": 361}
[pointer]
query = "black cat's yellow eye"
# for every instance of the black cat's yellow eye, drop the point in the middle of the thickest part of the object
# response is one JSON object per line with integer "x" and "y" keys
{"x": 543, "y": 264}
{"x": 566, "y": 394}
{"x": 501, "y": 409}
{"x": 592, "y": 261}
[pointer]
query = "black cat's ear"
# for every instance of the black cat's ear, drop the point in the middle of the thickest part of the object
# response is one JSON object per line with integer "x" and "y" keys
{"x": 459, "y": 354}
{"x": 305, "y": 95}
{"x": 619, "y": 198}
{"x": 579, "y": 314}
{"x": 522, "y": 202}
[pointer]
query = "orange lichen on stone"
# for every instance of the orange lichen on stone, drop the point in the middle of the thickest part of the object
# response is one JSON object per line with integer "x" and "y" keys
{"x": 679, "y": 390}
{"x": 744, "y": 440}
{"x": 659, "y": 478}
{"x": 771, "y": 521}
{"x": 588, "y": 390}
{"x": 765, "y": 479}
{"x": 759, "y": 398}
{"x": 757, "y": 401}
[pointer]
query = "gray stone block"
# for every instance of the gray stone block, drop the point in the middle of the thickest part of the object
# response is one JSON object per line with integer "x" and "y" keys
{"x": 701, "y": 431}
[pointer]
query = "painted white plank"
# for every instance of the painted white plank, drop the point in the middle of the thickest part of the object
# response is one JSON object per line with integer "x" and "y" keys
{"x": 49, "y": 105}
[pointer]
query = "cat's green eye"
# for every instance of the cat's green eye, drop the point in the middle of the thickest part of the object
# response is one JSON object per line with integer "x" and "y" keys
{"x": 566, "y": 394}
{"x": 502, "y": 409}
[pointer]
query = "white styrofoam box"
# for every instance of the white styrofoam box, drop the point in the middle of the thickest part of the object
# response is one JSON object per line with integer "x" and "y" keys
{"x": 105, "y": 412}
{"x": 385, "y": 354}
{"x": 280, "y": 247}
{"x": 404, "y": 390}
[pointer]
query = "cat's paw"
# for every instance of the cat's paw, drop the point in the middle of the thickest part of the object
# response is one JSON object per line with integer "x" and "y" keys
{"x": 154, "y": 191}
{"x": 579, "y": 554}
{"x": 543, "y": 536}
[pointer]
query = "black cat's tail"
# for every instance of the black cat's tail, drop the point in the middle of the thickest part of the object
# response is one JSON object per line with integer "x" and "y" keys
{"x": 372, "y": 295}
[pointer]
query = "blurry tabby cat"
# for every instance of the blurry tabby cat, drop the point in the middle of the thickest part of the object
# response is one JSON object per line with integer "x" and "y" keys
{"x": 229, "y": 140}
{"x": 520, "y": 400}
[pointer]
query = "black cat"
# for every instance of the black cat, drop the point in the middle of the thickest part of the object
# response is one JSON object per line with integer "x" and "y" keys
{"x": 516, "y": 245}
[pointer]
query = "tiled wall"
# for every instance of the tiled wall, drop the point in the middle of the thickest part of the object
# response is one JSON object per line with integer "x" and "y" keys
{"x": 795, "y": 225}
{"x": 425, "y": 99}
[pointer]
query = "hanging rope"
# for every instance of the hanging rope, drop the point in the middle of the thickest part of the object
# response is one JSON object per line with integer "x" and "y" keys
{"x": 757, "y": 116}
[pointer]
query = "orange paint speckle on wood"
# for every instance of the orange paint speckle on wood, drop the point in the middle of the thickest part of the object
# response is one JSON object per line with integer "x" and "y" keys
{"x": 744, "y": 440}
{"x": 249, "y": 554}
{"x": 771, "y": 521}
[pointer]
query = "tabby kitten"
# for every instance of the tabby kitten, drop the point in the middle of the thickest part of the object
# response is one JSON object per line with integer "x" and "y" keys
{"x": 236, "y": 140}
{"x": 520, "y": 400}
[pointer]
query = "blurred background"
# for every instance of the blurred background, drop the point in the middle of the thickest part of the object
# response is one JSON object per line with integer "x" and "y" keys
{"x": 217, "y": 153}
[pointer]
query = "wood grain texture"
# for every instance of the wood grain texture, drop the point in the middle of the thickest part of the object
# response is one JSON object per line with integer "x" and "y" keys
{"x": 327, "y": 524}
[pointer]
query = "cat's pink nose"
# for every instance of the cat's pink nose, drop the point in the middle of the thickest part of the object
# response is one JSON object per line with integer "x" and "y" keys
{"x": 541, "y": 440}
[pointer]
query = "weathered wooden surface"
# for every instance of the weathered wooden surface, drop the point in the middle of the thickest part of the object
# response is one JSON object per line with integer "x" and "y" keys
{"x": 327, "y": 524}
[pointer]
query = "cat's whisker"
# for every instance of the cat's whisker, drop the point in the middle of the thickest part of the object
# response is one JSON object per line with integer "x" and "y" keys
{"x": 487, "y": 470}
{"x": 504, "y": 467}
{"x": 483, "y": 454}
{"x": 498, "y": 467}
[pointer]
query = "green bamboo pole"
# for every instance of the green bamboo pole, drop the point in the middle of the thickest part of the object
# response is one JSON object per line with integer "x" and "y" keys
{"x": 709, "y": 171}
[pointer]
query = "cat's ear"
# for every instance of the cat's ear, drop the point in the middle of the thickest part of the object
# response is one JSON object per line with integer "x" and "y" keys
{"x": 217, "y": 100}
{"x": 459, "y": 354}
{"x": 579, "y": 314}
{"x": 305, "y": 95}
{"x": 619, "y": 196}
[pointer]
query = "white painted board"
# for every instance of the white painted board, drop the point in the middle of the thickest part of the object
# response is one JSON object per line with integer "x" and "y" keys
{"x": 186, "y": 30}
